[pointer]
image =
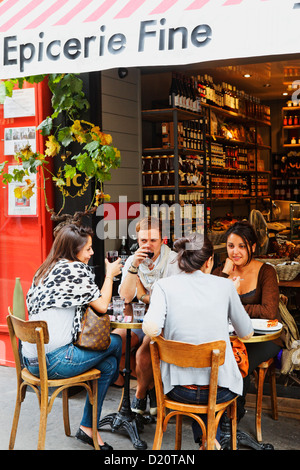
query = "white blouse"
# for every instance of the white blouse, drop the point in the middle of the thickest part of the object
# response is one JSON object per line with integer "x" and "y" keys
{"x": 195, "y": 308}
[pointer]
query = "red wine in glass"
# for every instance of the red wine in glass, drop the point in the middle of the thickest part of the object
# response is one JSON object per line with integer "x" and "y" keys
{"x": 112, "y": 256}
{"x": 150, "y": 254}
{"x": 111, "y": 259}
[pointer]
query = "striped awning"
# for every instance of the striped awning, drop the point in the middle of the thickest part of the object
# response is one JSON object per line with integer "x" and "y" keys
{"x": 49, "y": 36}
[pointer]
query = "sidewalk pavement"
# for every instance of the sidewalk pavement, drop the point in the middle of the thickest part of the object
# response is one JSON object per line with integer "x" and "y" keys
{"x": 283, "y": 434}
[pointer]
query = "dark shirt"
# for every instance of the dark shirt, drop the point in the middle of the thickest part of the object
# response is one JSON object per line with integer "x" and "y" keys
{"x": 262, "y": 302}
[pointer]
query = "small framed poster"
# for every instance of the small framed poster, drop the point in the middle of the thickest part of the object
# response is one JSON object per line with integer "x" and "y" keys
{"x": 16, "y": 138}
{"x": 22, "y": 206}
{"x": 21, "y": 104}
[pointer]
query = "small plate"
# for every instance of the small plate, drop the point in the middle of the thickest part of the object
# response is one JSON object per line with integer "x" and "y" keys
{"x": 261, "y": 325}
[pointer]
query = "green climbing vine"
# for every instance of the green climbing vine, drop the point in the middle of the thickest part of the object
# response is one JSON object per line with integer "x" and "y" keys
{"x": 96, "y": 157}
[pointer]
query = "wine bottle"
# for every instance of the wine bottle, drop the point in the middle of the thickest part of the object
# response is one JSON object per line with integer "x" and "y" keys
{"x": 123, "y": 252}
{"x": 174, "y": 96}
{"x": 18, "y": 300}
{"x": 134, "y": 245}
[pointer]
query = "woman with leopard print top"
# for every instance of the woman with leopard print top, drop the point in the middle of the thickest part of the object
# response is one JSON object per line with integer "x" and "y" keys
{"x": 62, "y": 289}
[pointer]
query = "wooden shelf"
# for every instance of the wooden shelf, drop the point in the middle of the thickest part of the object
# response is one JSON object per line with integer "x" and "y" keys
{"x": 241, "y": 143}
{"x": 291, "y": 127}
{"x": 243, "y": 198}
{"x": 166, "y": 114}
{"x": 160, "y": 115}
{"x": 181, "y": 150}
{"x": 291, "y": 108}
{"x": 172, "y": 187}
{"x": 233, "y": 114}
{"x": 236, "y": 170}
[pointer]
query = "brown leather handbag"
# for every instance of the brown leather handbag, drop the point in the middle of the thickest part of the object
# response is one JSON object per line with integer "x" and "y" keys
{"x": 95, "y": 331}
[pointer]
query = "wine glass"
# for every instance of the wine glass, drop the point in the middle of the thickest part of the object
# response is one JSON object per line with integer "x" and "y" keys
{"x": 148, "y": 261}
{"x": 112, "y": 256}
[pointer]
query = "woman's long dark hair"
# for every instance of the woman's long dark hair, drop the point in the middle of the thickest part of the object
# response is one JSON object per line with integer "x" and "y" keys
{"x": 68, "y": 241}
{"x": 247, "y": 233}
{"x": 193, "y": 252}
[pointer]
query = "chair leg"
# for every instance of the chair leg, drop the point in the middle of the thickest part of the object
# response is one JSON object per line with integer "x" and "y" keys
{"x": 233, "y": 419}
{"x": 211, "y": 434}
{"x": 66, "y": 417}
{"x": 15, "y": 421}
{"x": 259, "y": 396}
{"x": 94, "y": 413}
{"x": 42, "y": 427}
{"x": 178, "y": 434}
{"x": 158, "y": 431}
{"x": 273, "y": 392}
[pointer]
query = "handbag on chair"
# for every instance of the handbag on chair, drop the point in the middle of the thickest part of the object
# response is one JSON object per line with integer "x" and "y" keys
{"x": 95, "y": 331}
{"x": 241, "y": 355}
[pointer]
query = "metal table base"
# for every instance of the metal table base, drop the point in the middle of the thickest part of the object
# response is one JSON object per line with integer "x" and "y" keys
{"x": 242, "y": 438}
{"x": 125, "y": 419}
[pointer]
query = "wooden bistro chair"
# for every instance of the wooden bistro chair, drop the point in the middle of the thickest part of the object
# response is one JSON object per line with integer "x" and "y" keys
{"x": 260, "y": 374}
{"x": 37, "y": 332}
{"x": 190, "y": 355}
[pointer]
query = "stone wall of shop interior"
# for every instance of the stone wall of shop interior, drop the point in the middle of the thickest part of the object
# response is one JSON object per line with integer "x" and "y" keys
{"x": 121, "y": 111}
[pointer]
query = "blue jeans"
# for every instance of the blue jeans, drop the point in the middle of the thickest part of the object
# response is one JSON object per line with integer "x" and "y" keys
{"x": 70, "y": 360}
{"x": 200, "y": 397}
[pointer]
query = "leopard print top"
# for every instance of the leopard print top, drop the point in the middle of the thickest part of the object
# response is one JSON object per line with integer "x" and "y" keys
{"x": 68, "y": 284}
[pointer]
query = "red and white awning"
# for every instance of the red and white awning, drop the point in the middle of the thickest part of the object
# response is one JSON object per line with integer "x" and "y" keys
{"x": 50, "y": 36}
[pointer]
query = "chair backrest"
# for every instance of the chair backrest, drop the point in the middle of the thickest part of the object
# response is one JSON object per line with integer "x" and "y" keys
{"x": 187, "y": 355}
{"x": 35, "y": 332}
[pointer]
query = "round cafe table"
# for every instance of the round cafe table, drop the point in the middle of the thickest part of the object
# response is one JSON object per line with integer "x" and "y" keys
{"x": 125, "y": 419}
{"x": 244, "y": 438}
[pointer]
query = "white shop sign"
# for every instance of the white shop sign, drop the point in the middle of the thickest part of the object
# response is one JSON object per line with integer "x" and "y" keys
{"x": 50, "y": 36}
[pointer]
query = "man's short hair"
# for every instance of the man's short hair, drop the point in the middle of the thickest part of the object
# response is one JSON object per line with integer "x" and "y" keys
{"x": 148, "y": 223}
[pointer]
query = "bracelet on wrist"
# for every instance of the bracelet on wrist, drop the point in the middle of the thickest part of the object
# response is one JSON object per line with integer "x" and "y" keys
{"x": 132, "y": 272}
{"x": 142, "y": 296}
{"x": 134, "y": 267}
{"x": 107, "y": 277}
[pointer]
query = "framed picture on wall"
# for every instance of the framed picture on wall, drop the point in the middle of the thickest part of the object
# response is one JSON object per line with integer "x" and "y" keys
{"x": 15, "y": 138}
{"x": 18, "y": 203}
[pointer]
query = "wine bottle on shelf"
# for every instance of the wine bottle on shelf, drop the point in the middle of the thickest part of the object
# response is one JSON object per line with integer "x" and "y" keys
{"x": 174, "y": 92}
{"x": 134, "y": 245}
{"x": 182, "y": 92}
{"x": 201, "y": 89}
{"x": 193, "y": 96}
{"x": 197, "y": 96}
{"x": 208, "y": 90}
{"x": 123, "y": 252}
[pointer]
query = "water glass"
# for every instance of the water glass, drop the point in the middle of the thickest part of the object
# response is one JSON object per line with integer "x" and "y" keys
{"x": 138, "y": 310}
{"x": 118, "y": 305}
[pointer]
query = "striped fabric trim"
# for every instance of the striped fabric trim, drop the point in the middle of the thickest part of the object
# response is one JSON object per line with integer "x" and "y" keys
{"x": 63, "y": 12}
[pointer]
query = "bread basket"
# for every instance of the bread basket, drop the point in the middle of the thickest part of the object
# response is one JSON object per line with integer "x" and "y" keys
{"x": 287, "y": 272}
{"x": 217, "y": 236}
{"x": 273, "y": 261}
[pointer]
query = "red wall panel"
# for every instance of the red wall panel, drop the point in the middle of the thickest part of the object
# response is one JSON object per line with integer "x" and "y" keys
{"x": 24, "y": 240}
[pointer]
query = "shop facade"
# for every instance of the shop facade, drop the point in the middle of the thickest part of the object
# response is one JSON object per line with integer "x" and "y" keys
{"x": 132, "y": 50}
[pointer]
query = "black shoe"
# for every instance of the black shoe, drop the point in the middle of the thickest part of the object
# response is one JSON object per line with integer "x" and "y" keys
{"x": 152, "y": 398}
{"x": 83, "y": 437}
{"x": 138, "y": 405}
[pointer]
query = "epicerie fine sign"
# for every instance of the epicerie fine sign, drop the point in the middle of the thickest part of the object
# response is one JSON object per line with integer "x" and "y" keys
{"x": 152, "y": 36}
{"x": 187, "y": 32}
